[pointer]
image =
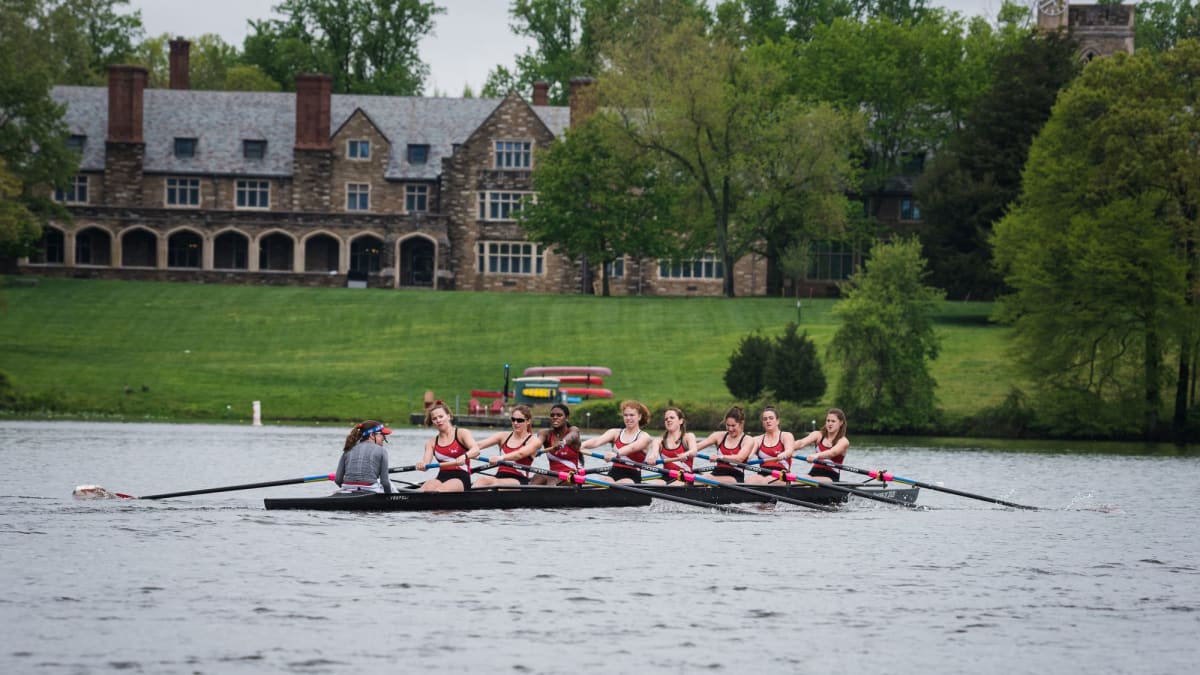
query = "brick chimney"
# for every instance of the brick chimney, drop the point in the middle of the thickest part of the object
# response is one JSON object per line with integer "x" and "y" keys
{"x": 125, "y": 87}
{"x": 313, "y": 96}
{"x": 124, "y": 149}
{"x": 583, "y": 99}
{"x": 541, "y": 93}
{"x": 180, "y": 52}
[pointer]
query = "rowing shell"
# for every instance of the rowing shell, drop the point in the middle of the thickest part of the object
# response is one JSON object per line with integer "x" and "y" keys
{"x": 568, "y": 370}
{"x": 549, "y": 497}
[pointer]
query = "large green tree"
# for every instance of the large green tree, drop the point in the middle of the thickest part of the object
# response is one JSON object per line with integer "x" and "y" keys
{"x": 213, "y": 64}
{"x": 366, "y": 46}
{"x": 1103, "y": 247}
{"x": 970, "y": 185}
{"x": 599, "y": 198}
{"x": 748, "y": 154}
{"x": 886, "y": 340}
{"x": 33, "y": 152}
{"x": 1160, "y": 24}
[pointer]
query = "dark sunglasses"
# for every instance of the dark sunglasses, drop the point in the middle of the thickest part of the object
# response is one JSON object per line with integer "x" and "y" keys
{"x": 519, "y": 419}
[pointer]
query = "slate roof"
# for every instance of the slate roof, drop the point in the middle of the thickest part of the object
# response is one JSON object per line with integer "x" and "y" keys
{"x": 221, "y": 120}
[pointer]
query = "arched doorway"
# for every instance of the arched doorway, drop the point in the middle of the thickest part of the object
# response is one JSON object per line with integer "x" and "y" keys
{"x": 139, "y": 248}
{"x": 93, "y": 246}
{"x": 417, "y": 256}
{"x": 50, "y": 250}
{"x": 230, "y": 251}
{"x": 275, "y": 252}
{"x": 321, "y": 253}
{"x": 183, "y": 250}
{"x": 366, "y": 254}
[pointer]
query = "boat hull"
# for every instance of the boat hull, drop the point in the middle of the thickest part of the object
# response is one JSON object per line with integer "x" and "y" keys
{"x": 540, "y": 497}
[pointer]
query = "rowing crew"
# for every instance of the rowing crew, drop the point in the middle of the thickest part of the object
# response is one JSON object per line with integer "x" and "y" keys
{"x": 363, "y": 466}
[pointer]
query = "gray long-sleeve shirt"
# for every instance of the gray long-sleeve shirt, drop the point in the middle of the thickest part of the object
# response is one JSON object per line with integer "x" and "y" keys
{"x": 364, "y": 463}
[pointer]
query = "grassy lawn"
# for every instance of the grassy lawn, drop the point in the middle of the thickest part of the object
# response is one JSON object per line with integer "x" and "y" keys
{"x": 204, "y": 352}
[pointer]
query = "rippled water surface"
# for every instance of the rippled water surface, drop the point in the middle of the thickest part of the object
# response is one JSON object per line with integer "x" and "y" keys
{"x": 1104, "y": 578}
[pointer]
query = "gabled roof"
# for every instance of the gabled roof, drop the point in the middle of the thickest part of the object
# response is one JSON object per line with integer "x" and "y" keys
{"x": 221, "y": 120}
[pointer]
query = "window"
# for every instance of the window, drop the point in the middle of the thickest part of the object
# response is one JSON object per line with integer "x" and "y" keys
{"x": 76, "y": 142}
{"x": 183, "y": 192}
{"x": 253, "y": 194}
{"x": 707, "y": 267}
{"x": 509, "y": 257}
{"x": 254, "y": 149}
{"x": 615, "y": 269}
{"x": 418, "y": 154}
{"x": 514, "y": 154}
{"x": 185, "y": 147}
{"x": 500, "y": 205}
{"x": 831, "y": 261}
{"x": 76, "y": 192}
{"x": 909, "y": 210}
{"x": 416, "y": 198}
{"x": 358, "y": 196}
{"x": 358, "y": 149}
{"x": 183, "y": 250}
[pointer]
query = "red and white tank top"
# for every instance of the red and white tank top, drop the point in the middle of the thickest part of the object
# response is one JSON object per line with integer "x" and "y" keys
{"x": 769, "y": 454}
{"x": 618, "y": 443}
{"x": 669, "y": 456}
{"x": 837, "y": 459}
{"x": 564, "y": 458}
{"x": 450, "y": 453}
{"x": 524, "y": 461}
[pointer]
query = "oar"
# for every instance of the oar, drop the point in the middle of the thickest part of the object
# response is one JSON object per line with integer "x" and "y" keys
{"x": 585, "y": 478}
{"x": 816, "y": 483}
{"x": 689, "y": 477}
{"x": 885, "y": 476}
{"x": 251, "y": 486}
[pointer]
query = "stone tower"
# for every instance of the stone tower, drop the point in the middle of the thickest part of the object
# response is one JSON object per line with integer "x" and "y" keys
{"x": 1102, "y": 30}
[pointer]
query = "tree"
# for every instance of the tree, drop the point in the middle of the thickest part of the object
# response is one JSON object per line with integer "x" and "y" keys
{"x": 600, "y": 198}
{"x": 913, "y": 78}
{"x": 564, "y": 46}
{"x": 1102, "y": 249}
{"x": 82, "y": 38}
{"x": 744, "y": 377}
{"x": 1160, "y": 24}
{"x": 886, "y": 340}
{"x": 749, "y": 155}
{"x": 970, "y": 185}
{"x": 793, "y": 372}
{"x": 33, "y": 151}
{"x": 213, "y": 65}
{"x": 366, "y": 46}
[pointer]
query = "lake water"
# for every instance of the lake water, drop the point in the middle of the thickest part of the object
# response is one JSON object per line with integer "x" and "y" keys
{"x": 1105, "y": 578}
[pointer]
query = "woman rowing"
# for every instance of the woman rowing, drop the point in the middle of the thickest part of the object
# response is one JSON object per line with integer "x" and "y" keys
{"x": 832, "y": 445}
{"x": 676, "y": 447}
{"x": 519, "y": 446}
{"x": 732, "y": 444}
{"x": 774, "y": 448}
{"x": 363, "y": 466}
{"x": 561, "y": 444}
{"x": 453, "y": 448}
{"x": 629, "y": 441}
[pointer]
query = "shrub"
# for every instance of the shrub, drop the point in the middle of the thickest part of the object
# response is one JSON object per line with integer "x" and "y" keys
{"x": 793, "y": 371}
{"x": 744, "y": 377}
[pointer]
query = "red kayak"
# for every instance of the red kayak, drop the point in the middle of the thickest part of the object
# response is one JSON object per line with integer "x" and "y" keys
{"x": 568, "y": 370}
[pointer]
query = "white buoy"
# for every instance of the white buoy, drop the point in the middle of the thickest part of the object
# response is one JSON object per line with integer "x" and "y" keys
{"x": 257, "y": 414}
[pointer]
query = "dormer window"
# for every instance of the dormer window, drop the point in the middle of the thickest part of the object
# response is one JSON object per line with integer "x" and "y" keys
{"x": 358, "y": 149}
{"x": 254, "y": 149}
{"x": 76, "y": 142}
{"x": 418, "y": 153}
{"x": 185, "y": 148}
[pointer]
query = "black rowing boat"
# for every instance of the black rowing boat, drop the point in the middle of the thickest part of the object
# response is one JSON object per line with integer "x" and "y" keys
{"x": 546, "y": 497}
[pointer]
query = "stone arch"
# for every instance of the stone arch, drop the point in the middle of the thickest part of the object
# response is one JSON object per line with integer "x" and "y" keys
{"x": 231, "y": 249}
{"x": 416, "y": 258}
{"x": 185, "y": 248}
{"x": 366, "y": 253}
{"x": 322, "y": 252}
{"x": 139, "y": 247}
{"x": 276, "y": 251}
{"x": 93, "y": 246}
{"x": 51, "y": 250}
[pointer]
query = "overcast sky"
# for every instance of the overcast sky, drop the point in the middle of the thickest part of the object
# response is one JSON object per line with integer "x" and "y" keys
{"x": 470, "y": 39}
